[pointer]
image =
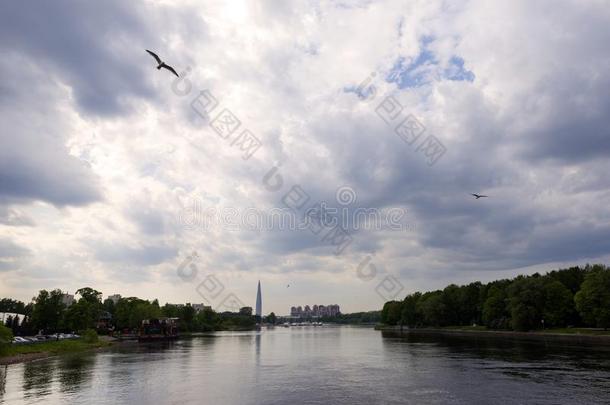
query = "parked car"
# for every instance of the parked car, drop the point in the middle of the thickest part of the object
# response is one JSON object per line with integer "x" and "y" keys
{"x": 18, "y": 340}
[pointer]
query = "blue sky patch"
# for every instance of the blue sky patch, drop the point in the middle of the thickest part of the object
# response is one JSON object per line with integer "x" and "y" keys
{"x": 455, "y": 71}
{"x": 425, "y": 68}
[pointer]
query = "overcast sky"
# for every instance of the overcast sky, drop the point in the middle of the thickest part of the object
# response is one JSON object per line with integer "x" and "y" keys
{"x": 108, "y": 175}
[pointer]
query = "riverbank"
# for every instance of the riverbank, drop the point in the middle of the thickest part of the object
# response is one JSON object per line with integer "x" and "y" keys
{"x": 568, "y": 336}
{"x": 24, "y": 353}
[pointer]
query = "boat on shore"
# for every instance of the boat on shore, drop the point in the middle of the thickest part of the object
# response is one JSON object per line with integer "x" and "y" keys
{"x": 152, "y": 330}
{"x": 293, "y": 324}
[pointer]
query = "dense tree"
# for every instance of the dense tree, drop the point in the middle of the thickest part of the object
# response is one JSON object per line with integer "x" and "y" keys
{"x": 144, "y": 310}
{"x": 12, "y": 306}
{"x": 245, "y": 311}
{"x": 391, "y": 312}
{"x": 29, "y": 308}
{"x": 130, "y": 312}
{"x": 571, "y": 278}
{"x": 369, "y": 317}
{"x": 47, "y": 314}
{"x": 432, "y": 308}
{"x": 523, "y": 303}
{"x": 26, "y": 328}
{"x": 207, "y": 320}
{"x": 495, "y": 309}
{"x": 84, "y": 313}
{"x": 171, "y": 311}
{"x": 593, "y": 299}
{"x": 6, "y": 338}
{"x": 109, "y": 306}
{"x": 90, "y": 295}
{"x": 271, "y": 318}
{"x": 526, "y": 300}
{"x": 410, "y": 316}
{"x": 558, "y": 304}
{"x": 187, "y": 316}
{"x": 451, "y": 305}
{"x": 16, "y": 325}
{"x": 235, "y": 321}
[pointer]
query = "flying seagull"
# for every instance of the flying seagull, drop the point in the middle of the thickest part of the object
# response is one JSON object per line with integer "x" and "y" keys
{"x": 161, "y": 63}
{"x": 477, "y": 196}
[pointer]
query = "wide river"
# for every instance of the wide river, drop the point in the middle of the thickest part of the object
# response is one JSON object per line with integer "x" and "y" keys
{"x": 321, "y": 365}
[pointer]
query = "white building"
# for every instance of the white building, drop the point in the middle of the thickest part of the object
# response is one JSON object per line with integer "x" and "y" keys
{"x": 67, "y": 299}
{"x": 114, "y": 298}
{"x": 200, "y": 307}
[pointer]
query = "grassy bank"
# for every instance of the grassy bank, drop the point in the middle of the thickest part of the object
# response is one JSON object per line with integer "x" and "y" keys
{"x": 577, "y": 331}
{"x": 555, "y": 331}
{"x": 18, "y": 353}
{"x": 569, "y": 336}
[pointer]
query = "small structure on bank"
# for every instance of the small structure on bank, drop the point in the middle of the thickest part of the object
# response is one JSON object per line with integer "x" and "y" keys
{"x": 158, "y": 329}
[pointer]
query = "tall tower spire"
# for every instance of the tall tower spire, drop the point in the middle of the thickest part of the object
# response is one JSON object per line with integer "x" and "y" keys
{"x": 259, "y": 301}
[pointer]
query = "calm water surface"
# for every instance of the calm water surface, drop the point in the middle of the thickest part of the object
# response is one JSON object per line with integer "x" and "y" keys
{"x": 314, "y": 366}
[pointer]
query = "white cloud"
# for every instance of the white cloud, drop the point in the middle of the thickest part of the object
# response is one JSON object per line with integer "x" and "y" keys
{"x": 103, "y": 169}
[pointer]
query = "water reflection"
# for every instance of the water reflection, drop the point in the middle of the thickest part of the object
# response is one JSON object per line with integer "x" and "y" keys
{"x": 315, "y": 365}
{"x": 37, "y": 378}
{"x": 508, "y": 350}
{"x": 3, "y": 373}
{"x": 584, "y": 366}
{"x": 75, "y": 371}
{"x": 257, "y": 346}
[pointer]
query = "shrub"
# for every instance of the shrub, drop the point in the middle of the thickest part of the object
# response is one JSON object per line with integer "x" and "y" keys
{"x": 6, "y": 338}
{"x": 90, "y": 336}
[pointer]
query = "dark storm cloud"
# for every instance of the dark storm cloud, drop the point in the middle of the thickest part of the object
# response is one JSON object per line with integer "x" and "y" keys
{"x": 34, "y": 161}
{"x": 89, "y": 45}
{"x": 577, "y": 127}
{"x": 70, "y": 183}
{"x": 508, "y": 231}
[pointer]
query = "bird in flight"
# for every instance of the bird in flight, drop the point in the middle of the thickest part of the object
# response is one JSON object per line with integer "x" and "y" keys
{"x": 477, "y": 196}
{"x": 161, "y": 63}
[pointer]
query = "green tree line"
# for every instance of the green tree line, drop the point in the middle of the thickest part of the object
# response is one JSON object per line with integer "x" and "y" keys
{"x": 577, "y": 296}
{"x": 355, "y": 318}
{"x": 48, "y": 314}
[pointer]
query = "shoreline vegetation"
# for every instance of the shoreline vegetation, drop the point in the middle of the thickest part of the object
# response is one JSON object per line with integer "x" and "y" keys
{"x": 570, "y": 336}
{"x": 573, "y": 301}
{"x": 51, "y": 312}
{"x": 24, "y": 353}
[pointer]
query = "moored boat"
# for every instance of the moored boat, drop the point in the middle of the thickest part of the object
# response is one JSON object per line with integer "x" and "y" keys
{"x": 158, "y": 329}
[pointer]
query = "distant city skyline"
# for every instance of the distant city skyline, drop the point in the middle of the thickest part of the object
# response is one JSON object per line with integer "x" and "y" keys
{"x": 315, "y": 310}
